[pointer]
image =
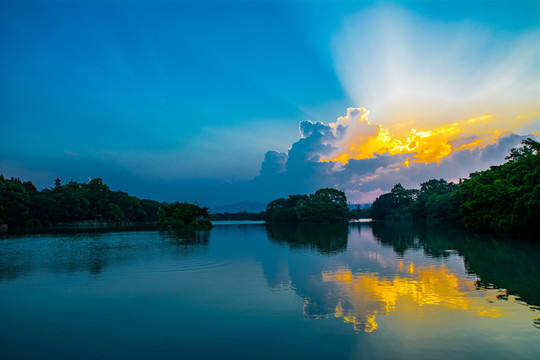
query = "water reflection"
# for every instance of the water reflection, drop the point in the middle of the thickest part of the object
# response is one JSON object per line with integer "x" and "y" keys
{"x": 498, "y": 263}
{"x": 188, "y": 239}
{"x": 360, "y": 274}
{"x": 393, "y": 269}
{"x": 323, "y": 238}
{"x": 364, "y": 296}
{"x": 93, "y": 252}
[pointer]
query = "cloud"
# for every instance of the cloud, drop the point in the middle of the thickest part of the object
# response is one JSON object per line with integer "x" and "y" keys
{"x": 409, "y": 69}
{"x": 444, "y": 99}
{"x": 301, "y": 169}
{"x": 447, "y": 99}
{"x": 274, "y": 163}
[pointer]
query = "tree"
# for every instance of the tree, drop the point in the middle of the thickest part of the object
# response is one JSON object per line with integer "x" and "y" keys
{"x": 14, "y": 202}
{"x": 325, "y": 205}
{"x": 150, "y": 209}
{"x": 179, "y": 215}
{"x": 505, "y": 198}
{"x": 284, "y": 210}
{"x": 431, "y": 192}
{"x": 529, "y": 148}
{"x": 394, "y": 204}
{"x": 113, "y": 212}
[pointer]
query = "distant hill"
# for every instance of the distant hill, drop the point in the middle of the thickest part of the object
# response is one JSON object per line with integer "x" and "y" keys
{"x": 247, "y": 206}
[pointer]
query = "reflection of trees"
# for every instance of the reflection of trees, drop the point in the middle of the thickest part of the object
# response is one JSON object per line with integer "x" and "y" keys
{"x": 304, "y": 272}
{"x": 398, "y": 235}
{"x": 325, "y": 238}
{"x": 188, "y": 236}
{"x": 511, "y": 265}
{"x": 92, "y": 252}
{"x": 365, "y": 283}
{"x": 500, "y": 262}
{"x": 187, "y": 241}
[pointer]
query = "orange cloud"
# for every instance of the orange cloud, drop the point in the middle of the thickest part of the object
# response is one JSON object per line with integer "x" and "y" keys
{"x": 364, "y": 140}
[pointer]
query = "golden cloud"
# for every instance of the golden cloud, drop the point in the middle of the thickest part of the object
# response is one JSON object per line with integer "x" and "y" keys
{"x": 364, "y": 139}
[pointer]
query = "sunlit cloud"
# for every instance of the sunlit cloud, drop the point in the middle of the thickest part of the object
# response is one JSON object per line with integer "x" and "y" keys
{"x": 432, "y": 88}
{"x": 445, "y": 99}
{"x": 327, "y": 155}
{"x": 355, "y": 137}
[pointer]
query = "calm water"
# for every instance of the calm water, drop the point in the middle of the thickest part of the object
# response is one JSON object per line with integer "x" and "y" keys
{"x": 373, "y": 291}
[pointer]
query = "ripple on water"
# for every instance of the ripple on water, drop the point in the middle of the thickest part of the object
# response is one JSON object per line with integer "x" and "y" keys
{"x": 192, "y": 265}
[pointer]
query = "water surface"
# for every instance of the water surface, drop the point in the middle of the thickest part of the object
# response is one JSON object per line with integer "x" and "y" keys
{"x": 374, "y": 291}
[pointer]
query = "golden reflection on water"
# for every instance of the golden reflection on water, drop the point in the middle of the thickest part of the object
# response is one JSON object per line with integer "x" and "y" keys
{"x": 419, "y": 289}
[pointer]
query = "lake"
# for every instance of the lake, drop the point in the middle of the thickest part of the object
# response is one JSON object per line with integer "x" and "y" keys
{"x": 251, "y": 291}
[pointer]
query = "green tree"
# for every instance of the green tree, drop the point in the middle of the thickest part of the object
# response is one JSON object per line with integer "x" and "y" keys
{"x": 71, "y": 201}
{"x": 97, "y": 194}
{"x": 325, "y": 205}
{"x": 179, "y": 215}
{"x": 529, "y": 148}
{"x": 505, "y": 198}
{"x": 114, "y": 212}
{"x": 14, "y": 202}
{"x": 394, "y": 204}
{"x": 150, "y": 209}
{"x": 432, "y": 193}
{"x": 284, "y": 210}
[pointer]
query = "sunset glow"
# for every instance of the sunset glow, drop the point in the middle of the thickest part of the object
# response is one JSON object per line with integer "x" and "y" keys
{"x": 190, "y": 102}
{"x": 363, "y": 139}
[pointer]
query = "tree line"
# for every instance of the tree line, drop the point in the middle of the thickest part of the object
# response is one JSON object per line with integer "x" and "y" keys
{"x": 238, "y": 216}
{"x": 23, "y": 206}
{"x": 502, "y": 199}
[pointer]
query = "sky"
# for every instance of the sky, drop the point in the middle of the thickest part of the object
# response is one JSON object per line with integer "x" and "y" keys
{"x": 224, "y": 101}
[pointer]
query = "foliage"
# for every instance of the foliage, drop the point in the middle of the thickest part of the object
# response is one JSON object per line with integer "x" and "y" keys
{"x": 23, "y": 206}
{"x": 529, "y": 148}
{"x": 284, "y": 210}
{"x": 325, "y": 205}
{"x": 239, "y": 216}
{"x": 436, "y": 201}
{"x": 504, "y": 199}
{"x": 179, "y": 215}
{"x": 14, "y": 201}
{"x": 394, "y": 204}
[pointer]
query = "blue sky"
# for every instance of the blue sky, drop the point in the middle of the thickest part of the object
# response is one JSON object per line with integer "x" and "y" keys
{"x": 183, "y": 100}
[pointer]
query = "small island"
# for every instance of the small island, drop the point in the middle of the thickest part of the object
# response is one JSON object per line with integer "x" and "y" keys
{"x": 324, "y": 206}
{"x": 184, "y": 215}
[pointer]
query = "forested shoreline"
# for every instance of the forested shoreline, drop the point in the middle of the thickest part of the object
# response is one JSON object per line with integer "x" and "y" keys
{"x": 23, "y": 206}
{"x": 503, "y": 199}
{"x": 93, "y": 204}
